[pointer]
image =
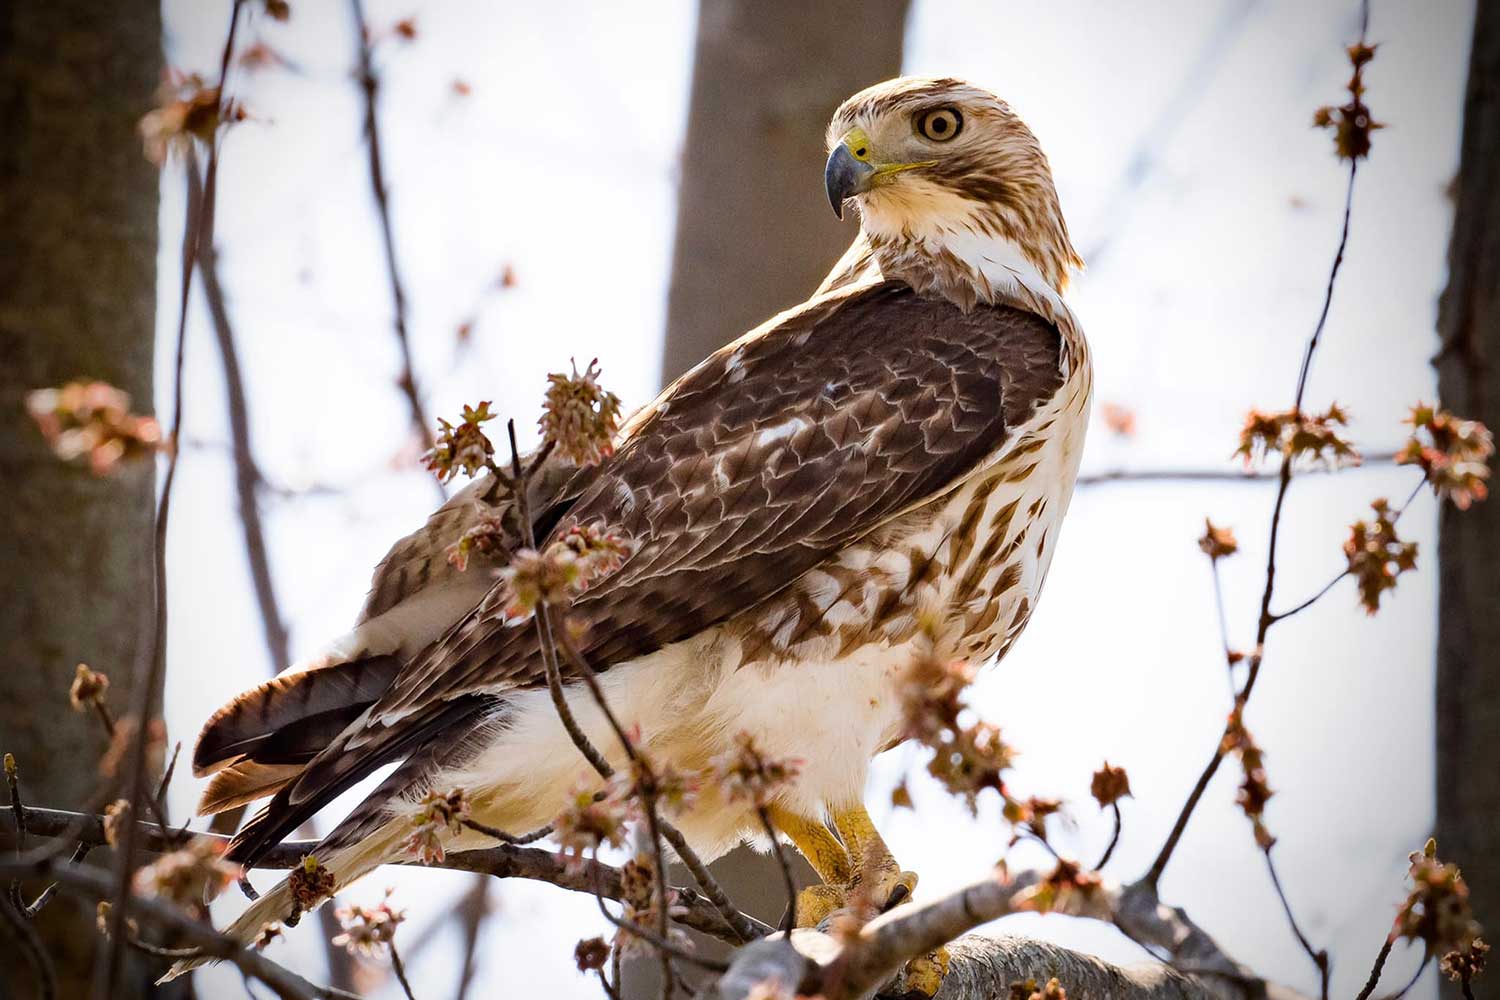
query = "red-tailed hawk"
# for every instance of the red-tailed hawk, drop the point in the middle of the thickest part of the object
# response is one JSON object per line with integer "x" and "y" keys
{"x": 883, "y": 467}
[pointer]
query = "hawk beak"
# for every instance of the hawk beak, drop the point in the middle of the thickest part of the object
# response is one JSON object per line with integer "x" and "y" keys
{"x": 846, "y": 176}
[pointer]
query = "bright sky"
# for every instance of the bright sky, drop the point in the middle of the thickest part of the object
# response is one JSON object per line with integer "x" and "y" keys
{"x": 1209, "y": 210}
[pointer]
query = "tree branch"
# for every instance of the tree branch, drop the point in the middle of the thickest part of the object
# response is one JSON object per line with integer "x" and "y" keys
{"x": 505, "y": 861}
{"x": 984, "y": 967}
{"x": 1125, "y": 475}
{"x": 369, "y": 86}
{"x": 96, "y": 883}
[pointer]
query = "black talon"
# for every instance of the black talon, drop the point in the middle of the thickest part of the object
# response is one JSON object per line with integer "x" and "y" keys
{"x": 898, "y": 896}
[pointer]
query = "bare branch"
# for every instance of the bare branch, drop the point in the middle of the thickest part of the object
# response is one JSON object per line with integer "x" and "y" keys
{"x": 1231, "y": 475}
{"x": 31, "y": 944}
{"x": 1319, "y": 956}
{"x": 95, "y": 883}
{"x": 247, "y": 475}
{"x": 536, "y": 864}
{"x": 369, "y": 87}
{"x": 1377, "y": 969}
{"x": 1114, "y": 837}
{"x": 150, "y": 666}
{"x": 1283, "y": 484}
{"x": 400, "y": 970}
{"x": 985, "y": 967}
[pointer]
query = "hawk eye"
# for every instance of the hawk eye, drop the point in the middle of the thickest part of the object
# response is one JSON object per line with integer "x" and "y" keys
{"x": 940, "y": 124}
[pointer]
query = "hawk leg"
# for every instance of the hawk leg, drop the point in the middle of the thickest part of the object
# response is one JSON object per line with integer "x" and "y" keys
{"x": 859, "y": 872}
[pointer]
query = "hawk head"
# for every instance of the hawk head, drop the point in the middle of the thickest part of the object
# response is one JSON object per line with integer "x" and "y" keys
{"x": 932, "y": 161}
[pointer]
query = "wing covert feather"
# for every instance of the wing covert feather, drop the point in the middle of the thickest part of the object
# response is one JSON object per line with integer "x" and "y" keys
{"x": 764, "y": 460}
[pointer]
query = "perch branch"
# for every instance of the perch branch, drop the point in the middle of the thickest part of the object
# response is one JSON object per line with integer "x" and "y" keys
{"x": 985, "y": 967}
{"x": 505, "y": 861}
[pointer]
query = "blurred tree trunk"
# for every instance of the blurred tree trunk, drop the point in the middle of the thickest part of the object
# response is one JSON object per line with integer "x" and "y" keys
{"x": 754, "y": 230}
{"x": 755, "y": 233}
{"x": 77, "y": 299}
{"x": 1468, "y": 656}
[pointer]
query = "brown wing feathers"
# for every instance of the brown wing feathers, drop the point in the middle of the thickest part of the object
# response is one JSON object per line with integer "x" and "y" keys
{"x": 264, "y": 739}
{"x": 282, "y": 720}
{"x": 762, "y": 462}
{"x": 334, "y": 771}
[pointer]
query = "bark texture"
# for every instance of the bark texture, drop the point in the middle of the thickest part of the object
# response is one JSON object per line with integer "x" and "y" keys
{"x": 1468, "y": 655}
{"x": 755, "y": 233}
{"x": 77, "y": 299}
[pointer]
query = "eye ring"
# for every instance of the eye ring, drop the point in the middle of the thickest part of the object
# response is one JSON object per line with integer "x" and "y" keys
{"x": 940, "y": 124}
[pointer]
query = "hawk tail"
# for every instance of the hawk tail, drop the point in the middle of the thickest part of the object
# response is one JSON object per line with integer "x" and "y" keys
{"x": 422, "y": 743}
{"x": 264, "y": 738}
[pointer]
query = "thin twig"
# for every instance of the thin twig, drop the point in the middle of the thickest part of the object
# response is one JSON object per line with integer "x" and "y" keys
{"x": 17, "y": 810}
{"x": 1322, "y": 591}
{"x": 1284, "y": 480}
{"x": 789, "y": 918}
{"x": 609, "y": 988}
{"x": 248, "y": 480}
{"x": 400, "y": 971}
{"x": 1114, "y": 838}
{"x": 106, "y": 717}
{"x": 1333, "y": 272}
{"x": 1377, "y": 968}
{"x": 369, "y": 87}
{"x": 248, "y": 483}
{"x": 150, "y": 664}
{"x": 31, "y": 943}
{"x": 473, "y": 911}
{"x": 95, "y": 883}
{"x": 673, "y": 836}
{"x": 1319, "y": 956}
{"x": 745, "y": 927}
{"x": 645, "y": 776}
{"x": 710, "y": 886}
{"x": 657, "y": 939}
{"x": 1229, "y": 658}
{"x": 160, "y": 798}
{"x": 46, "y": 895}
{"x": 1415, "y": 976}
{"x": 1113, "y": 476}
{"x": 647, "y": 781}
{"x": 536, "y": 864}
{"x": 508, "y": 838}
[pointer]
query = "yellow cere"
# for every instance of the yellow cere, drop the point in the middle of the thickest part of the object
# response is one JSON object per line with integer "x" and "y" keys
{"x": 858, "y": 144}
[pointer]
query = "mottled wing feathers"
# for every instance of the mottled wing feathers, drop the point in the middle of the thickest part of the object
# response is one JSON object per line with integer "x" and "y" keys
{"x": 334, "y": 771}
{"x": 420, "y": 560}
{"x": 244, "y": 782}
{"x": 764, "y": 460}
{"x": 289, "y": 718}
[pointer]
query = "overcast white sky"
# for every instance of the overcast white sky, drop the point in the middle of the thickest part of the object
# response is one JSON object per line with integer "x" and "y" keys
{"x": 1179, "y": 134}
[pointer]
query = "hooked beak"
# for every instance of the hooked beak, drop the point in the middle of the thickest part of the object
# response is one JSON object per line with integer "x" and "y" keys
{"x": 846, "y": 176}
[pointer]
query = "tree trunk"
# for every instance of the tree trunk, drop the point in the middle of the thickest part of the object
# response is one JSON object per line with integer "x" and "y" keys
{"x": 1468, "y": 655}
{"x": 77, "y": 293}
{"x": 755, "y": 233}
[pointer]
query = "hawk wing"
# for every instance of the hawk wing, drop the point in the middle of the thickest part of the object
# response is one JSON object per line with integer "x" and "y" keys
{"x": 763, "y": 461}
{"x": 767, "y": 458}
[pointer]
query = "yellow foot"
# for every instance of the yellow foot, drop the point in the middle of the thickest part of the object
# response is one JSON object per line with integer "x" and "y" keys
{"x": 888, "y": 890}
{"x": 816, "y": 902}
{"x": 923, "y": 975}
